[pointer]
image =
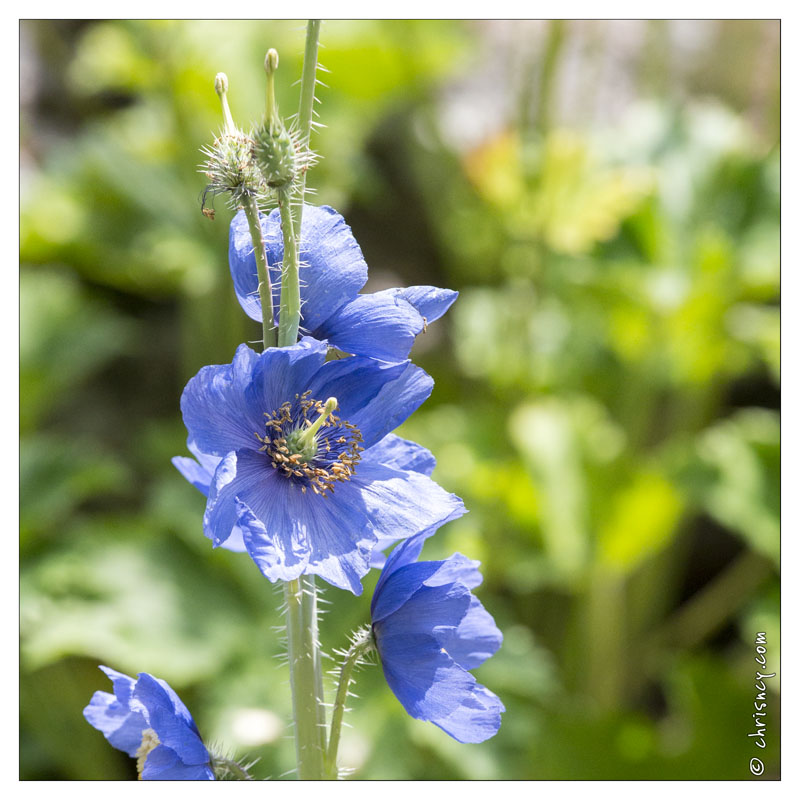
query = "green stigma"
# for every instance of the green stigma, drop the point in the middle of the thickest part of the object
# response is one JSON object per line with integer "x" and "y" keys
{"x": 221, "y": 88}
{"x": 302, "y": 441}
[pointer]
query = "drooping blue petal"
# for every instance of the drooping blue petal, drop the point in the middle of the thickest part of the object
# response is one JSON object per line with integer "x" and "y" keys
{"x": 332, "y": 265}
{"x": 170, "y": 719}
{"x": 242, "y": 261}
{"x": 394, "y": 451}
{"x": 430, "y": 301}
{"x": 476, "y": 719}
{"x": 475, "y": 639}
{"x": 429, "y": 629}
{"x": 115, "y": 721}
{"x": 195, "y": 473}
{"x": 380, "y": 325}
{"x": 427, "y": 682}
{"x": 123, "y": 684}
{"x": 249, "y": 493}
{"x": 164, "y": 764}
{"x": 216, "y": 411}
{"x": 200, "y": 474}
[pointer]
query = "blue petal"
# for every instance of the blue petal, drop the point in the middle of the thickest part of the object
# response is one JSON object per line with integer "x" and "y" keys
{"x": 163, "y": 764}
{"x": 332, "y": 265}
{"x": 429, "y": 301}
{"x": 422, "y": 676}
{"x": 250, "y": 498}
{"x": 432, "y": 687}
{"x": 407, "y": 552}
{"x": 425, "y": 610}
{"x": 223, "y": 406}
{"x": 280, "y": 373}
{"x": 476, "y": 719}
{"x": 393, "y": 451}
{"x": 380, "y": 326}
{"x": 116, "y": 722}
{"x": 398, "y": 587}
{"x": 475, "y": 639}
{"x": 333, "y": 532}
{"x": 459, "y": 569}
{"x": 243, "y": 264}
{"x": 123, "y": 684}
{"x": 399, "y": 501}
{"x": 374, "y": 396}
{"x": 200, "y": 475}
{"x": 215, "y": 410}
{"x": 288, "y": 532}
{"x": 170, "y": 719}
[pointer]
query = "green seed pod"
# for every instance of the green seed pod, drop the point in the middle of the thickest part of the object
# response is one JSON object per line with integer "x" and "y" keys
{"x": 275, "y": 154}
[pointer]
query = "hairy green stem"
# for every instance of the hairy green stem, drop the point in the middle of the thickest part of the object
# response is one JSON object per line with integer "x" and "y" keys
{"x": 290, "y": 277}
{"x": 306, "y": 678}
{"x": 305, "y": 114}
{"x": 234, "y": 767}
{"x": 305, "y": 660}
{"x": 264, "y": 285}
{"x": 362, "y": 643}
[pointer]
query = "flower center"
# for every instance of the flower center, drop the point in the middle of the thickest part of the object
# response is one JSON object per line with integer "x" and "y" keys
{"x": 308, "y": 443}
{"x": 149, "y": 743}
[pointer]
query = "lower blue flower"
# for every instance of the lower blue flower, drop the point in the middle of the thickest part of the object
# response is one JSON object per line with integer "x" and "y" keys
{"x": 429, "y": 631}
{"x": 147, "y": 720}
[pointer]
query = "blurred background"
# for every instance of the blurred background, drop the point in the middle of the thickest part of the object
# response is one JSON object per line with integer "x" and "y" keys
{"x": 604, "y": 196}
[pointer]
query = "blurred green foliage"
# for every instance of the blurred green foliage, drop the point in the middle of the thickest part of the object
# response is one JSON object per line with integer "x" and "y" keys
{"x": 607, "y": 383}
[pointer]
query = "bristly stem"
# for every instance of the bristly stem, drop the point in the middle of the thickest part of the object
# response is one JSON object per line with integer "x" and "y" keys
{"x": 223, "y": 765}
{"x": 305, "y": 114}
{"x": 305, "y": 661}
{"x": 361, "y": 644}
{"x": 289, "y": 323}
{"x": 268, "y": 329}
{"x": 291, "y": 203}
{"x": 306, "y": 679}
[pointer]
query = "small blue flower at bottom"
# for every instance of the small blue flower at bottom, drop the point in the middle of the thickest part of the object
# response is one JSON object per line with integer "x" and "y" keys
{"x": 429, "y": 630}
{"x": 147, "y": 720}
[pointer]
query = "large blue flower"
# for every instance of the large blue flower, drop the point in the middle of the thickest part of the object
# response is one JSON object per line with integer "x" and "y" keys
{"x": 303, "y": 471}
{"x": 382, "y": 325}
{"x": 430, "y": 630}
{"x": 147, "y": 720}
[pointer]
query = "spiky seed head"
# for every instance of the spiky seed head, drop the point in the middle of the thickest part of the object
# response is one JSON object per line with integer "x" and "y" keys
{"x": 275, "y": 154}
{"x": 231, "y": 168}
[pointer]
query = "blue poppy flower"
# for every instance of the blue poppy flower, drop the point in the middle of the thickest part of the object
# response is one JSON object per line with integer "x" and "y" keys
{"x": 382, "y": 325}
{"x": 147, "y": 720}
{"x": 303, "y": 471}
{"x": 429, "y": 631}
